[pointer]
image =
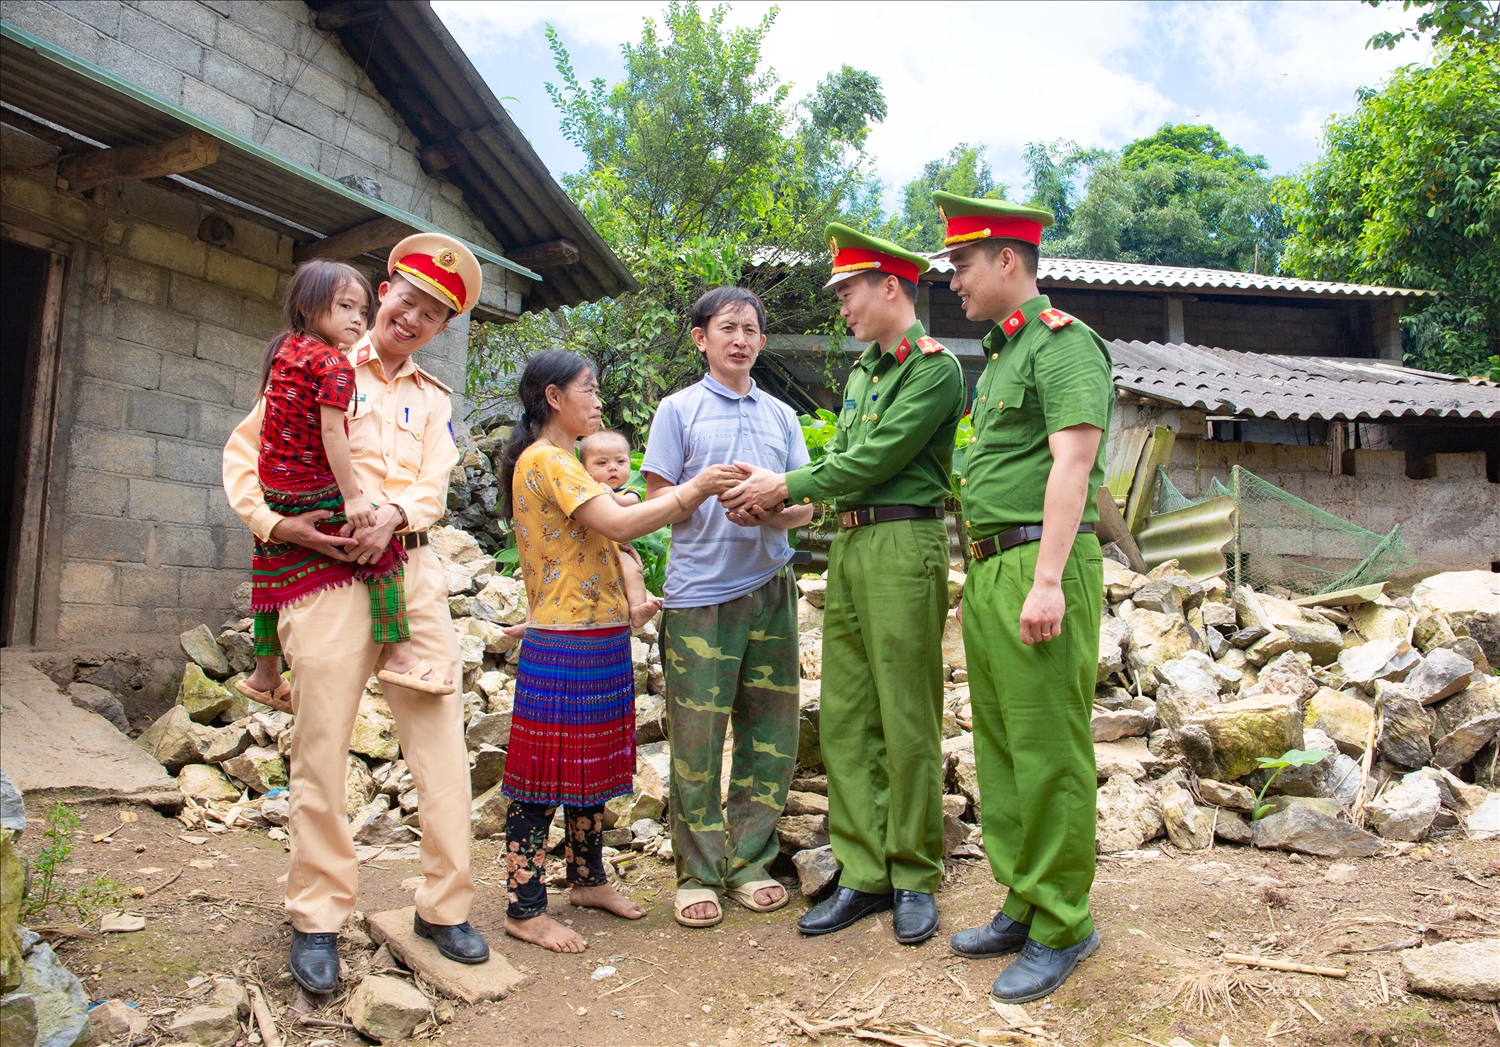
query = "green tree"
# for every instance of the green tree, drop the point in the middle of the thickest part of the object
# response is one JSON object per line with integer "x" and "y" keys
{"x": 963, "y": 172}
{"x": 1053, "y": 170}
{"x": 1407, "y": 192}
{"x": 1449, "y": 22}
{"x": 698, "y": 171}
{"x": 1182, "y": 196}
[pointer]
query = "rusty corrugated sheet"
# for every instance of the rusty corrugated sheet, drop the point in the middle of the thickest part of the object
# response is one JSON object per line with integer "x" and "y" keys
{"x": 1195, "y": 537}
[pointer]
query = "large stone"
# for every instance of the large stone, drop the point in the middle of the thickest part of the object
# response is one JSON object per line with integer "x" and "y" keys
{"x": 1272, "y": 645}
{"x": 1127, "y": 816}
{"x": 489, "y": 729}
{"x": 374, "y": 729}
{"x": 203, "y": 698}
{"x": 1320, "y": 641}
{"x": 199, "y": 645}
{"x": 1112, "y": 725}
{"x": 12, "y": 806}
{"x": 209, "y": 1024}
{"x": 809, "y": 618}
{"x": 373, "y": 827}
{"x": 359, "y": 785}
{"x": 98, "y": 700}
{"x": 816, "y": 869}
{"x": 1113, "y": 634}
{"x": 471, "y": 983}
{"x": 18, "y": 1019}
{"x": 451, "y": 545}
{"x": 1219, "y": 616}
{"x": 12, "y": 884}
{"x": 175, "y": 740}
{"x": 814, "y": 590}
{"x": 1405, "y": 735}
{"x": 1128, "y": 756}
{"x": 1478, "y": 699}
{"x": 1184, "y": 687}
{"x": 239, "y": 649}
{"x": 1250, "y": 611}
{"x": 487, "y": 814}
{"x": 227, "y": 742}
{"x": 1155, "y": 639}
{"x": 1312, "y": 826}
{"x": 503, "y": 601}
{"x": 1189, "y": 827}
{"x": 116, "y": 1020}
{"x": 1461, "y": 970}
{"x": 1461, "y": 745}
{"x": 1441, "y": 675}
{"x": 260, "y": 768}
{"x": 1171, "y": 595}
{"x": 1484, "y": 629}
{"x": 1380, "y": 622}
{"x": 1241, "y": 731}
{"x": 1226, "y": 794}
{"x": 650, "y": 717}
{"x": 809, "y": 747}
{"x": 61, "y": 1005}
{"x": 1459, "y": 592}
{"x": 1485, "y": 818}
{"x": 487, "y": 768}
{"x": 1120, "y": 582}
{"x": 802, "y": 832}
{"x": 386, "y": 1009}
{"x": 206, "y": 784}
{"x": 1288, "y": 675}
{"x": 1334, "y": 776}
{"x": 1458, "y": 795}
{"x": 1406, "y": 810}
{"x": 1231, "y": 827}
{"x": 953, "y": 643}
{"x": 799, "y": 802}
{"x": 1389, "y": 660}
{"x": 810, "y": 656}
{"x": 964, "y": 774}
{"x": 1345, "y": 719}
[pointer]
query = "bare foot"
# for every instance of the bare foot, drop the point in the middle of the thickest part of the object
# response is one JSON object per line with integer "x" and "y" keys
{"x": 266, "y": 684}
{"x": 548, "y": 933}
{"x": 608, "y": 899}
{"x": 769, "y": 895}
{"x": 399, "y": 658}
{"x": 701, "y": 911}
{"x": 643, "y": 613}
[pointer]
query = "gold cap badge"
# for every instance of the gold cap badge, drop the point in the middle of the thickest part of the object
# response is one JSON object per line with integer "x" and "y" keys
{"x": 446, "y": 261}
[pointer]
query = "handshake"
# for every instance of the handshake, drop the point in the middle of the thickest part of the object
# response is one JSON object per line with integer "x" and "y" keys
{"x": 750, "y": 495}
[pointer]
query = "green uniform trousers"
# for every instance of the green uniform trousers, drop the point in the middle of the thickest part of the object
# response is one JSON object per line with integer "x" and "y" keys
{"x": 735, "y": 661}
{"x": 1032, "y": 741}
{"x": 881, "y": 717}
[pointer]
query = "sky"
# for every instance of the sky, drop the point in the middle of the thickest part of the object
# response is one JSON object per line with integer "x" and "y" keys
{"x": 1267, "y": 75}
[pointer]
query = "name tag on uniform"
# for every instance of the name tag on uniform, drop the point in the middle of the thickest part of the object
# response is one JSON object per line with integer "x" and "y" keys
{"x": 849, "y": 404}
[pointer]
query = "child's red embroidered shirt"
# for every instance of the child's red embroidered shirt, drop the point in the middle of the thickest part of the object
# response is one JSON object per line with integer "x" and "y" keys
{"x": 305, "y": 374}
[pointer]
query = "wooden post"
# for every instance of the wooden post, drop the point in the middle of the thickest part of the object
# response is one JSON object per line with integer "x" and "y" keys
{"x": 549, "y": 255}
{"x": 180, "y": 155}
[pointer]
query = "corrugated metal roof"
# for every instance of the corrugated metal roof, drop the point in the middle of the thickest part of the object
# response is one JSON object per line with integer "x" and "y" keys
{"x": 1085, "y": 272}
{"x": 1260, "y": 385}
{"x": 413, "y": 61}
{"x": 46, "y": 81}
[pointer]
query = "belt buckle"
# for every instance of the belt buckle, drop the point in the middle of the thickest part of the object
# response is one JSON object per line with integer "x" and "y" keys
{"x": 975, "y": 553}
{"x": 849, "y": 518}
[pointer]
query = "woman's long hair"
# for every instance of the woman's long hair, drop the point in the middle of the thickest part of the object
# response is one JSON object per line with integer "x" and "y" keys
{"x": 550, "y": 367}
{"x": 309, "y": 295}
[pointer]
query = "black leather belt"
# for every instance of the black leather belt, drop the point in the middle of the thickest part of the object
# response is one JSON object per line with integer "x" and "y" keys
{"x": 1012, "y": 538}
{"x": 887, "y": 513}
{"x": 412, "y": 540}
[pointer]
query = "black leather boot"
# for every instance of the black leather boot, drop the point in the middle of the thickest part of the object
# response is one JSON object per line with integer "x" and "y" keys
{"x": 1039, "y": 970}
{"x": 459, "y": 942}
{"x": 916, "y": 917}
{"x": 315, "y": 961}
{"x": 1000, "y": 936}
{"x": 840, "y": 909}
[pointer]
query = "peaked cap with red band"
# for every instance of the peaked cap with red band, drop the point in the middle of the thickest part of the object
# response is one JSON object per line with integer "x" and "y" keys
{"x": 967, "y": 221}
{"x": 441, "y": 266}
{"x": 855, "y": 252}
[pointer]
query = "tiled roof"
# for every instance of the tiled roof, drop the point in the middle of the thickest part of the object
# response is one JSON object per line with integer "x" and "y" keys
{"x": 1075, "y": 272}
{"x": 1259, "y": 385}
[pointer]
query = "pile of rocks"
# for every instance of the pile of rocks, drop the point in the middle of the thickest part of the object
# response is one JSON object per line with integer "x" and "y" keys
{"x": 473, "y": 491}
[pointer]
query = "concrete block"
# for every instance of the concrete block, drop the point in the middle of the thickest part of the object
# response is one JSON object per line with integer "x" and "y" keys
{"x": 155, "y": 412}
{"x": 116, "y": 452}
{"x": 1462, "y": 467}
{"x": 335, "y": 62}
{"x": 308, "y": 114}
{"x": 219, "y": 513}
{"x": 151, "y": 585}
{"x": 263, "y": 320}
{"x": 260, "y": 244}
{"x": 122, "y": 362}
{"x": 147, "y": 35}
{"x": 367, "y": 147}
{"x": 87, "y": 581}
{"x": 250, "y": 49}
{"x": 242, "y": 274}
{"x": 231, "y": 348}
{"x": 97, "y": 493}
{"x": 140, "y": 69}
{"x": 209, "y": 588}
{"x": 188, "y": 462}
{"x": 183, "y": 545}
{"x": 372, "y": 114}
{"x": 208, "y": 301}
{"x": 247, "y": 390}
{"x": 194, "y": 20}
{"x": 221, "y": 108}
{"x": 325, "y": 88}
{"x": 65, "y": 30}
{"x": 162, "y": 247}
{"x": 155, "y": 327}
{"x": 156, "y": 206}
{"x": 170, "y": 502}
{"x": 89, "y": 622}
{"x": 212, "y": 423}
{"x": 269, "y": 21}
{"x": 100, "y": 404}
{"x": 98, "y": 538}
{"x": 64, "y": 215}
{"x": 198, "y": 379}
{"x": 1374, "y": 463}
{"x": 136, "y": 281}
{"x": 293, "y": 144}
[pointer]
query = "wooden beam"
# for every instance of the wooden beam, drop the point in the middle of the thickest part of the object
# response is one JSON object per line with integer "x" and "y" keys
{"x": 441, "y": 156}
{"x": 549, "y": 255}
{"x": 347, "y": 13}
{"x": 351, "y": 243}
{"x": 188, "y": 153}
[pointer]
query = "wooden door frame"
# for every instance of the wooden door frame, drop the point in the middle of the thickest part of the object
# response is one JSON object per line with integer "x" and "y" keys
{"x": 39, "y": 416}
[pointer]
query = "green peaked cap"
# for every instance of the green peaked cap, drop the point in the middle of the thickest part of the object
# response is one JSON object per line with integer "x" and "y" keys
{"x": 855, "y": 252}
{"x": 968, "y": 220}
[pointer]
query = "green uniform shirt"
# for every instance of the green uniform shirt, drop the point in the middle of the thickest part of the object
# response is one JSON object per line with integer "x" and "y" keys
{"x": 894, "y": 444}
{"x": 1045, "y": 371}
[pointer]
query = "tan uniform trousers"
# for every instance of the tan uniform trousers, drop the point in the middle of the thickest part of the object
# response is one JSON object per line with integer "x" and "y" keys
{"x": 327, "y": 642}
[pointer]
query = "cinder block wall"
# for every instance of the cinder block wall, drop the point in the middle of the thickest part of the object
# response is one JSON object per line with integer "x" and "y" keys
{"x": 163, "y": 334}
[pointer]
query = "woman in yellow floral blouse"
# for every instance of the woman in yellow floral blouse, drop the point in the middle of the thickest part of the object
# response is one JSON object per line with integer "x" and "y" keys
{"x": 572, "y": 738}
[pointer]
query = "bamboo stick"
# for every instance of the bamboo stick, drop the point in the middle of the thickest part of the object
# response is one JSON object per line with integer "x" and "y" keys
{"x": 1283, "y": 965}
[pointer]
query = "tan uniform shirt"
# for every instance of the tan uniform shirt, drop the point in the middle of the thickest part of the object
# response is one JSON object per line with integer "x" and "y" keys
{"x": 400, "y": 438}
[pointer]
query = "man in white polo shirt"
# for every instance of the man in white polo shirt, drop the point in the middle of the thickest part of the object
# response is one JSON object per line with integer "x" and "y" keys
{"x": 729, "y": 631}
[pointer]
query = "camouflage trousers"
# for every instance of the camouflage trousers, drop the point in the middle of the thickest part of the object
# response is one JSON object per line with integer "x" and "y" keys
{"x": 734, "y": 662}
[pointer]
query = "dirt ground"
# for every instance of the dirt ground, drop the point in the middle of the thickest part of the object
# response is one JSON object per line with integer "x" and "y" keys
{"x": 214, "y": 908}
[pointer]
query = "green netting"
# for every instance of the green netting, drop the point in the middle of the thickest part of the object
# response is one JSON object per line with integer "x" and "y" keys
{"x": 1284, "y": 542}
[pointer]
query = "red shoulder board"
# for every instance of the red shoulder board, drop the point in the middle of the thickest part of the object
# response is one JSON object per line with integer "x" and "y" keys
{"x": 363, "y": 356}
{"x": 902, "y": 351}
{"x": 929, "y": 345}
{"x": 1054, "y": 318}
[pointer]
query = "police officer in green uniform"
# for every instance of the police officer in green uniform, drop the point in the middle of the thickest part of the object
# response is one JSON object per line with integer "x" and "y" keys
{"x": 1032, "y": 601}
{"x": 887, "y": 473}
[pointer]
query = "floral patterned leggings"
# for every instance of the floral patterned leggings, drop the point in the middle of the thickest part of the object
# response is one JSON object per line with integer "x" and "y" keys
{"x": 526, "y": 826}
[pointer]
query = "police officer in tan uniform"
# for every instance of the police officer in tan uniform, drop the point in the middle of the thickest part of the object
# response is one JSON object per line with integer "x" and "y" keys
{"x": 401, "y": 441}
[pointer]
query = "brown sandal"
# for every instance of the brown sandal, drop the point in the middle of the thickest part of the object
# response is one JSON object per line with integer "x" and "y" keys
{"x": 280, "y": 699}
{"x": 412, "y": 679}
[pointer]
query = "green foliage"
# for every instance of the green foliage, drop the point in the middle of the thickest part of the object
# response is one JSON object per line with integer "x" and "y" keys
{"x": 1407, "y": 193}
{"x": 655, "y": 548}
{"x": 1182, "y": 196}
{"x": 1054, "y": 170}
{"x": 696, "y": 166}
{"x": 1290, "y": 758}
{"x": 1449, "y": 22}
{"x": 963, "y": 172}
{"x": 818, "y": 432}
{"x": 47, "y": 888}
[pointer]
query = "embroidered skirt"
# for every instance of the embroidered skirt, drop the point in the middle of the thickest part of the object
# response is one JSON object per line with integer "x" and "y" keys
{"x": 572, "y": 735}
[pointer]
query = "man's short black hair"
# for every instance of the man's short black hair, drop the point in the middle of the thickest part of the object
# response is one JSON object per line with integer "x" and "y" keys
{"x": 711, "y": 303}
{"x": 1028, "y": 253}
{"x": 908, "y": 287}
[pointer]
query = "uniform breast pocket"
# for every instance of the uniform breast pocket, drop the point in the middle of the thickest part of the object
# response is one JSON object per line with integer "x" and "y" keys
{"x": 1003, "y": 409}
{"x": 409, "y": 441}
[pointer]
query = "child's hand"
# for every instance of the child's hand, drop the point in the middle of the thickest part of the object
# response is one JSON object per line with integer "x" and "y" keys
{"x": 626, "y": 549}
{"x": 360, "y": 512}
